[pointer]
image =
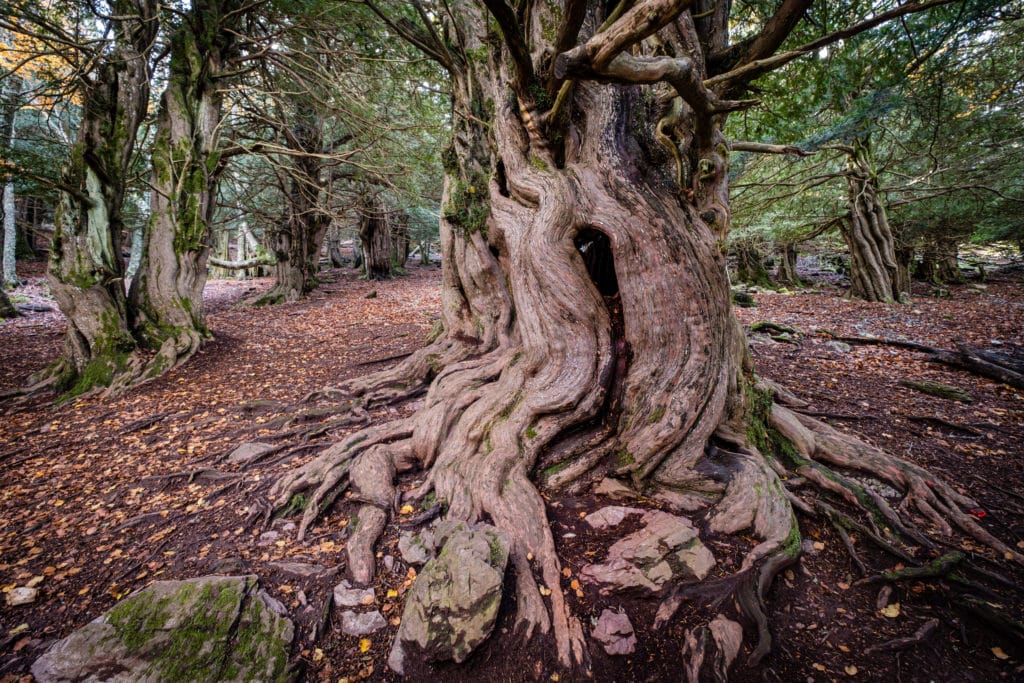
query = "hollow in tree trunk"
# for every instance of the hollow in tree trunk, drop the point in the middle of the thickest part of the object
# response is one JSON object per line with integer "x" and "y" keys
{"x": 86, "y": 270}
{"x": 875, "y": 272}
{"x": 587, "y": 325}
{"x": 167, "y": 292}
{"x": 376, "y": 239}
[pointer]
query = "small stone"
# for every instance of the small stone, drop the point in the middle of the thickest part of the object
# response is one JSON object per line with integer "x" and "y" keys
{"x": 268, "y": 538}
{"x": 22, "y": 596}
{"x": 389, "y": 562}
{"x": 841, "y": 347}
{"x": 249, "y": 451}
{"x": 416, "y": 548}
{"x": 361, "y": 624}
{"x": 615, "y": 633}
{"x": 347, "y": 596}
{"x": 610, "y": 516}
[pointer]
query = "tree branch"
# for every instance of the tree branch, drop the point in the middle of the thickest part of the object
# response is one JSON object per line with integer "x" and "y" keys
{"x": 514, "y": 40}
{"x": 764, "y": 148}
{"x": 771, "y": 37}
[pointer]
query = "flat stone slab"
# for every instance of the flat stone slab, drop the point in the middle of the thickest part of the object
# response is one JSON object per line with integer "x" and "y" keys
{"x": 345, "y": 595}
{"x": 667, "y": 548}
{"x": 249, "y": 451}
{"x": 610, "y": 516}
{"x": 213, "y": 628}
{"x": 362, "y": 623}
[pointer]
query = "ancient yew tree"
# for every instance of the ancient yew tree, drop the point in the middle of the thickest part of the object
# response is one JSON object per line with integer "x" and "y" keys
{"x": 587, "y": 324}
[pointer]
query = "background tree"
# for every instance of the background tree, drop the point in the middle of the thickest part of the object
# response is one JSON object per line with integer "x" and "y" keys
{"x": 584, "y": 213}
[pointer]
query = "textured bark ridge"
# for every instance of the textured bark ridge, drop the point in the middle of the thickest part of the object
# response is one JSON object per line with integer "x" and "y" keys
{"x": 876, "y": 273}
{"x": 86, "y": 271}
{"x": 587, "y": 330}
{"x": 167, "y": 292}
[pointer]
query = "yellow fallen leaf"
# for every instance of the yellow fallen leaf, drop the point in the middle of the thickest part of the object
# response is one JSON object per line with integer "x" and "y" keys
{"x": 392, "y": 593}
{"x": 555, "y": 677}
{"x": 545, "y": 591}
{"x": 529, "y": 556}
{"x": 574, "y": 584}
{"x": 364, "y": 644}
{"x": 406, "y": 510}
{"x": 318, "y": 654}
{"x": 34, "y": 581}
{"x": 566, "y": 572}
{"x": 892, "y": 611}
{"x": 818, "y": 667}
{"x": 998, "y": 652}
{"x": 818, "y": 545}
{"x": 851, "y": 670}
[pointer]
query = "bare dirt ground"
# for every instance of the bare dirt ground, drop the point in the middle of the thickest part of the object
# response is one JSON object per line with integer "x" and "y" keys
{"x": 102, "y": 496}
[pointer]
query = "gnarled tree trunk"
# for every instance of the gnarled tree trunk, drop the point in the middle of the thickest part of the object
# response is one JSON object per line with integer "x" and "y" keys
{"x": 586, "y": 311}
{"x": 750, "y": 267}
{"x": 939, "y": 262}
{"x": 875, "y": 271}
{"x": 86, "y": 270}
{"x": 167, "y": 292}
{"x": 7, "y": 309}
{"x": 376, "y": 239}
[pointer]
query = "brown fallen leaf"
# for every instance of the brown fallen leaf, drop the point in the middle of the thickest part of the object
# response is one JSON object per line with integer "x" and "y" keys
{"x": 998, "y": 652}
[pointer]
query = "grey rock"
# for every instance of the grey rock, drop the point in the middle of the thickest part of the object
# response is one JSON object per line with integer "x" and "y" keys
{"x": 416, "y": 548}
{"x": 362, "y": 623}
{"x": 454, "y": 602}
{"x": 615, "y": 633}
{"x": 841, "y": 347}
{"x": 347, "y": 596}
{"x": 389, "y": 562}
{"x": 610, "y": 516}
{"x": 213, "y": 628}
{"x": 666, "y": 548}
{"x": 267, "y": 538}
{"x": 23, "y": 595}
{"x": 302, "y": 569}
{"x": 249, "y": 451}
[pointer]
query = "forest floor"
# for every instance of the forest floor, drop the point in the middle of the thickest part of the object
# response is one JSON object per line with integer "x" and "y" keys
{"x": 102, "y": 496}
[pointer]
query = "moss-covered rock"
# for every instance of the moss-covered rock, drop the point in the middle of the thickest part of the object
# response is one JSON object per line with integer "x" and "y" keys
{"x": 213, "y": 628}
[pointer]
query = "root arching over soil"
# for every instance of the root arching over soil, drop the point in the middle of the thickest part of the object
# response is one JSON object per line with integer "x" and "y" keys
{"x": 748, "y": 468}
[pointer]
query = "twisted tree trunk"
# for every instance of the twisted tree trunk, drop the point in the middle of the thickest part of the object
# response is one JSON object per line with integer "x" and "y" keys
{"x": 786, "y": 273}
{"x": 167, "y": 292}
{"x": 587, "y": 323}
{"x": 875, "y": 272}
{"x": 86, "y": 270}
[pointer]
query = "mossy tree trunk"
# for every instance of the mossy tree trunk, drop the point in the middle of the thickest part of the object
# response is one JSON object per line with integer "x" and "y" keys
{"x": 583, "y": 221}
{"x": 750, "y": 267}
{"x": 167, "y": 292}
{"x": 939, "y": 261}
{"x": 876, "y": 273}
{"x": 7, "y": 309}
{"x": 86, "y": 270}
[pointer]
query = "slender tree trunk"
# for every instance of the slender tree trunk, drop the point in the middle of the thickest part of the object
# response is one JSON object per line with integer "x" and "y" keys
{"x": 167, "y": 292}
{"x": 875, "y": 272}
{"x": 787, "y": 274}
{"x": 376, "y": 239}
{"x": 86, "y": 270}
{"x": 334, "y": 248}
{"x": 11, "y": 92}
{"x": 399, "y": 239}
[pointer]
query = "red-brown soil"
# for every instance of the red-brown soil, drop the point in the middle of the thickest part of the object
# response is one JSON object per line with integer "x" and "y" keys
{"x": 101, "y": 496}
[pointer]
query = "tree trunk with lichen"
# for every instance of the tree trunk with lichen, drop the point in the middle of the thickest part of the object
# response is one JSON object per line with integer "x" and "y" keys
{"x": 875, "y": 271}
{"x": 86, "y": 270}
{"x": 939, "y": 262}
{"x": 587, "y": 329}
{"x": 750, "y": 267}
{"x": 7, "y": 309}
{"x": 167, "y": 292}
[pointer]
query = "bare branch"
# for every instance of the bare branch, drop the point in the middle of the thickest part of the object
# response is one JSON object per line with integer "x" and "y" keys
{"x": 764, "y": 148}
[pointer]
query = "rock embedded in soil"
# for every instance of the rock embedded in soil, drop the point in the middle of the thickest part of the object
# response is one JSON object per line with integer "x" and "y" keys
{"x": 615, "y": 633}
{"x": 454, "y": 602}
{"x": 249, "y": 451}
{"x": 416, "y": 548}
{"x": 347, "y": 596}
{"x": 22, "y": 595}
{"x": 667, "y": 548}
{"x": 362, "y": 623}
{"x": 614, "y": 489}
{"x": 610, "y": 516}
{"x": 213, "y": 628}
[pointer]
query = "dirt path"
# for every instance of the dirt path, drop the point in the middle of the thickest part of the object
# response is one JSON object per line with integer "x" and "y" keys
{"x": 102, "y": 496}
